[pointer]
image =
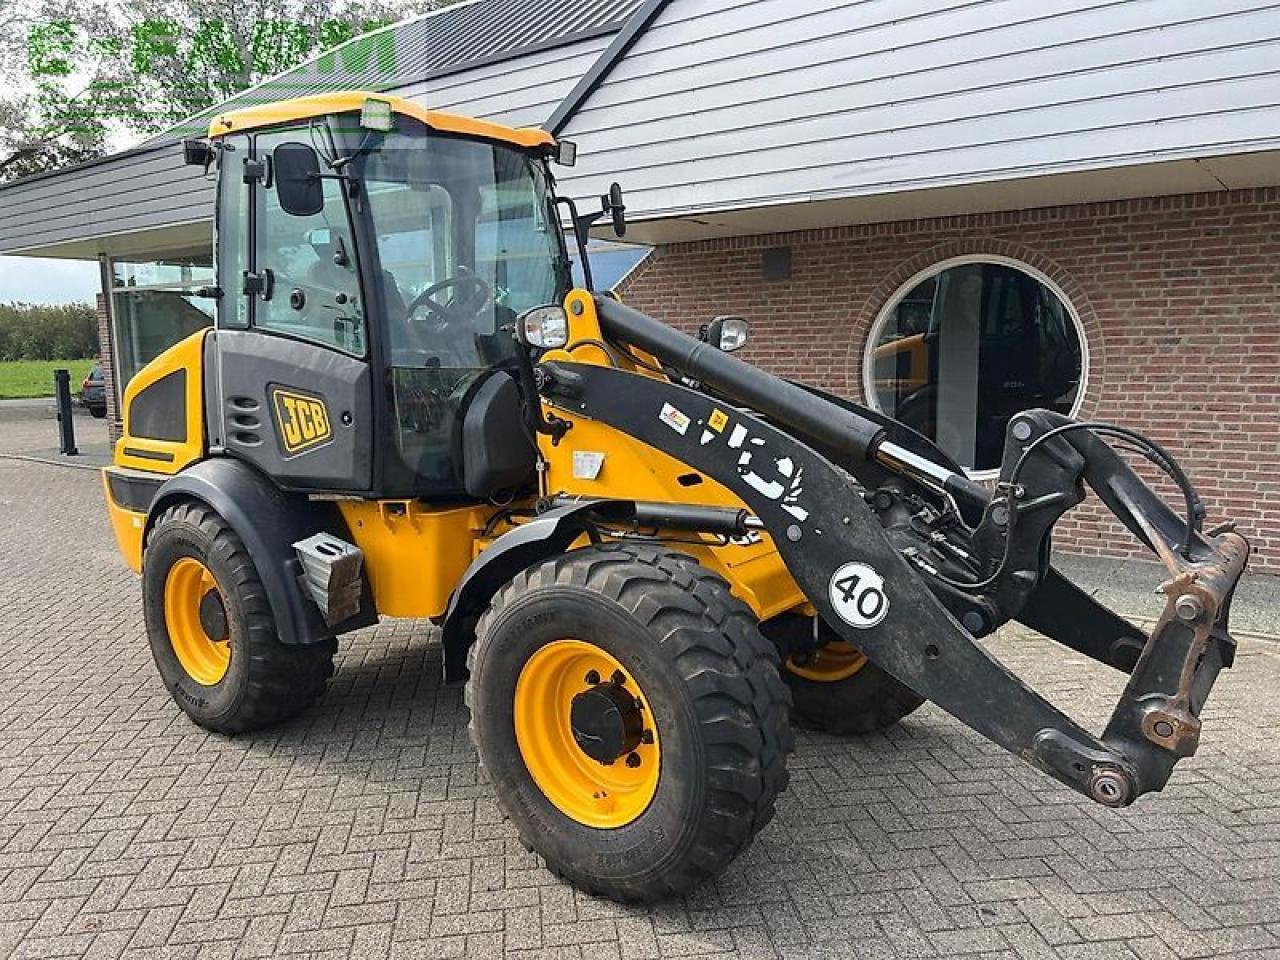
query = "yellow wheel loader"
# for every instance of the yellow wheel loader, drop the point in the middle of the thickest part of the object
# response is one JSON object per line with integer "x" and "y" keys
{"x": 645, "y": 556}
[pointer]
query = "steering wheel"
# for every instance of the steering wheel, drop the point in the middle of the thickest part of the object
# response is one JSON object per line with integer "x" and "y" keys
{"x": 469, "y": 296}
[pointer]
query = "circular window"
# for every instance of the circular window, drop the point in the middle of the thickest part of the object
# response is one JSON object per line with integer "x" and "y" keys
{"x": 966, "y": 345}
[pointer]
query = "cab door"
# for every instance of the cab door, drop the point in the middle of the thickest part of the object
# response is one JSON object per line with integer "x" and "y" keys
{"x": 293, "y": 390}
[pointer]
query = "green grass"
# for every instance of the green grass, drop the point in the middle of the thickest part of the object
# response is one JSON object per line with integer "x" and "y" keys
{"x": 34, "y": 378}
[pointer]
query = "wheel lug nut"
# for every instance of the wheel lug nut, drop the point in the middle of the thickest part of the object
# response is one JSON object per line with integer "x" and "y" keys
{"x": 592, "y": 677}
{"x": 633, "y": 760}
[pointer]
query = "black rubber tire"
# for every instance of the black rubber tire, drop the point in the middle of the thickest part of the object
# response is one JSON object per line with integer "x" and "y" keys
{"x": 266, "y": 681}
{"x": 711, "y": 679}
{"x": 867, "y": 702}
{"x": 98, "y": 412}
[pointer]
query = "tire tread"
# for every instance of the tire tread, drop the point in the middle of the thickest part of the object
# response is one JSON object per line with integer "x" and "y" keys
{"x": 739, "y": 699}
{"x": 282, "y": 680}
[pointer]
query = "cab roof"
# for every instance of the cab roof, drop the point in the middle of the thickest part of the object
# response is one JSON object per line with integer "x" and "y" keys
{"x": 305, "y": 108}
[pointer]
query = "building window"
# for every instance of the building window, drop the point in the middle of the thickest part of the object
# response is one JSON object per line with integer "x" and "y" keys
{"x": 154, "y": 306}
{"x": 966, "y": 345}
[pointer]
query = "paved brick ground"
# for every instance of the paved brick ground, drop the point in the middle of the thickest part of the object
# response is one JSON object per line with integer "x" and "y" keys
{"x": 362, "y": 829}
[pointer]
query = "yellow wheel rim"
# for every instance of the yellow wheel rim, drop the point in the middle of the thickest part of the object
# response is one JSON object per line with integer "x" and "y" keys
{"x": 835, "y": 661}
{"x": 204, "y": 658}
{"x": 594, "y": 793}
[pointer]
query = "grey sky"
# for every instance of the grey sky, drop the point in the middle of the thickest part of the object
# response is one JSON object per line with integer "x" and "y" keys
{"x": 37, "y": 280}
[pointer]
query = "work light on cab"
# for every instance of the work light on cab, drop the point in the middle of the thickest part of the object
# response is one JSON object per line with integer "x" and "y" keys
{"x": 376, "y": 115}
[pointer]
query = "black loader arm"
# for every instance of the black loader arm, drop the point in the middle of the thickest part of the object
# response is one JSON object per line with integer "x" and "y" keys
{"x": 878, "y": 593}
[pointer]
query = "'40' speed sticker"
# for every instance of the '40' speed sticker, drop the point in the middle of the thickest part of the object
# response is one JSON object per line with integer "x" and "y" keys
{"x": 857, "y": 593}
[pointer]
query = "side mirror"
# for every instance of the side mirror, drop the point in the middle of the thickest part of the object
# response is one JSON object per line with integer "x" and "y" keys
{"x": 614, "y": 207}
{"x": 297, "y": 174}
{"x": 726, "y": 333}
{"x": 197, "y": 153}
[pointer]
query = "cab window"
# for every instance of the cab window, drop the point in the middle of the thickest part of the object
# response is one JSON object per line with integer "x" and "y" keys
{"x": 308, "y": 264}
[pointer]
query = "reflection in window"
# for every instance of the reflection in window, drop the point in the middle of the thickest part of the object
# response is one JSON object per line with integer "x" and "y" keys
{"x": 611, "y": 262}
{"x": 153, "y": 306}
{"x": 961, "y": 352}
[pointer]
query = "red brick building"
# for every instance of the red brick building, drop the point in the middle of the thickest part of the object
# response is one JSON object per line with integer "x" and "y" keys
{"x": 1178, "y": 298}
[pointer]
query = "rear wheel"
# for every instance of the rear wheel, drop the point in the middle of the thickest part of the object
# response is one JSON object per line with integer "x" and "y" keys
{"x": 211, "y": 631}
{"x": 838, "y": 690}
{"x": 631, "y": 718}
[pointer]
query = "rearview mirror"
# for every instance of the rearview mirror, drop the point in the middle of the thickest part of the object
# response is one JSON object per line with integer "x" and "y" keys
{"x": 615, "y": 208}
{"x": 297, "y": 175}
{"x": 197, "y": 153}
{"x": 565, "y": 153}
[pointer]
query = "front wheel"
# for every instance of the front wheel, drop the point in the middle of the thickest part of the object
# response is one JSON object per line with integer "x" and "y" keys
{"x": 212, "y": 634}
{"x": 631, "y": 718}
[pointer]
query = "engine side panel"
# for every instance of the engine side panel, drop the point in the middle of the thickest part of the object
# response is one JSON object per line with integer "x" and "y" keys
{"x": 164, "y": 411}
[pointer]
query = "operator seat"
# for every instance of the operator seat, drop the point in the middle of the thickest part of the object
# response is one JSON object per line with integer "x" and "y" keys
{"x": 328, "y": 276}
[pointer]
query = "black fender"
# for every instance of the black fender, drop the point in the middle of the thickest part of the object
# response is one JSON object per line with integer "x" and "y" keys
{"x": 546, "y": 536}
{"x": 268, "y": 521}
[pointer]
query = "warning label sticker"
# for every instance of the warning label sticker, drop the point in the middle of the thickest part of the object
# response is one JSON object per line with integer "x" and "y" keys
{"x": 673, "y": 418}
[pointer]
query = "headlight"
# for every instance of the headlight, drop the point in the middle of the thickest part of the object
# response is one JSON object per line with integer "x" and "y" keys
{"x": 544, "y": 327}
{"x": 728, "y": 333}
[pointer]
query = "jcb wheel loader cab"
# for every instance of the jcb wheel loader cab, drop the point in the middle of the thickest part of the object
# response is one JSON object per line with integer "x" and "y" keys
{"x": 384, "y": 266}
{"x": 372, "y": 258}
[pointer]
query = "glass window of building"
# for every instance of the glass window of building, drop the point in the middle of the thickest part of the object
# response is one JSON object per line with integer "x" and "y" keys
{"x": 154, "y": 306}
{"x": 962, "y": 349}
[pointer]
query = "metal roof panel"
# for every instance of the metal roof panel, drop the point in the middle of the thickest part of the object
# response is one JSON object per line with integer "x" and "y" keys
{"x": 452, "y": 39}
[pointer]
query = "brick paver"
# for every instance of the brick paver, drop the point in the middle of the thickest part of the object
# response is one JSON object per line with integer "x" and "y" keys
{"x": 363, "y": 830}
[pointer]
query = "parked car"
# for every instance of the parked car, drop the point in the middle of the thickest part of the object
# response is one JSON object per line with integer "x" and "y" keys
{"x": 93, "y": 392}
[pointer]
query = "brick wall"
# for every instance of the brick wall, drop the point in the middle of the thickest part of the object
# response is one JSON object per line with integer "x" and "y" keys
{"x": 1179, "y": 298}
{"x": 108, "y": 368}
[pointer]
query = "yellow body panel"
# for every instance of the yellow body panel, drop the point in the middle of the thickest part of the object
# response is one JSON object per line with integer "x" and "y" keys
{"x": 167, "y": 456}
{"x": 128, "y": 528}
{"x": 305, "y": 108}
{"x": 631, "y": 470}
{"x": 414, "y": 554}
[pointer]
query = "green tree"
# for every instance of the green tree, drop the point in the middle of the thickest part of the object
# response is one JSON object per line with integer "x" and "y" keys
{"x": 50, "y": 111}
{"x": 92, "y": 72}
{"x": 37, "y": 332}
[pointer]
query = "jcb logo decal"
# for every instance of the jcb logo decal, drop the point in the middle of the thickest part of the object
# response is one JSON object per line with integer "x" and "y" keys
{"x": 303, "y": 420}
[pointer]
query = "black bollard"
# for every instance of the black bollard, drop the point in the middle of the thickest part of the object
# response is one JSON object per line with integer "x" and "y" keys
{"x": 66, "y": 426}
